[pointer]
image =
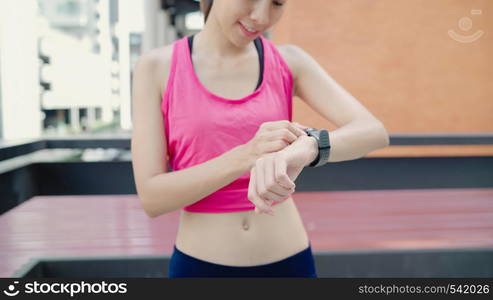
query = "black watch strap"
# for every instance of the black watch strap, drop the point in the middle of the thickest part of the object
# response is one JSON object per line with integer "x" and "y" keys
{"x": 322, "y": 137}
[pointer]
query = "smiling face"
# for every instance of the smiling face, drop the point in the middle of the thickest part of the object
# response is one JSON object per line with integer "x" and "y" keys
{"x": 244, "y": 20}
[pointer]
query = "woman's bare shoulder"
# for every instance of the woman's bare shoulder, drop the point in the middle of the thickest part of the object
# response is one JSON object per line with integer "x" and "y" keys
{"x": 159, "y": 61}
{"x": 289, "y": 53}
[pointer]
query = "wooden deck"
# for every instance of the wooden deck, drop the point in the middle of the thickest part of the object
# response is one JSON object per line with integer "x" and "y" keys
{"x": 66, "y": 226}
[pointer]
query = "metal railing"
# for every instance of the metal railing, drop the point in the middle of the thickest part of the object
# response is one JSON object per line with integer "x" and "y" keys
{"x": 23, "y": 176}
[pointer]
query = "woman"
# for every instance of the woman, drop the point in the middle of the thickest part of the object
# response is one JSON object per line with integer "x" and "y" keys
{"x": 234, "y": 153}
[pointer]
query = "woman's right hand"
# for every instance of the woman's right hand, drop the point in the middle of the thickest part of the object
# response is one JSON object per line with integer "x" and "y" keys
{"x": 272, "y": 137}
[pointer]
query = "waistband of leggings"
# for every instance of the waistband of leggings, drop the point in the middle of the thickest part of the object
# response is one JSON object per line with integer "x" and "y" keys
{"x": 303, "y": 252}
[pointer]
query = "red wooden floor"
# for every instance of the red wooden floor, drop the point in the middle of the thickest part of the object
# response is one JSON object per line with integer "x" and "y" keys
{"x": 55, "y": 226}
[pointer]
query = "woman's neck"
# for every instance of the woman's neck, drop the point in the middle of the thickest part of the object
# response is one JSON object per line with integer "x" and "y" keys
{"x": 211, "y": 40}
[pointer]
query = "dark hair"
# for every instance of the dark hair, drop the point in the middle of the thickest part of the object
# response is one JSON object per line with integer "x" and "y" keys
{"x": 205, "y": 7}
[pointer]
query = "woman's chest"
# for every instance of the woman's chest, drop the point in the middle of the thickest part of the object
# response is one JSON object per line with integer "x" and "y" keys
{"x": 197, "y": 117}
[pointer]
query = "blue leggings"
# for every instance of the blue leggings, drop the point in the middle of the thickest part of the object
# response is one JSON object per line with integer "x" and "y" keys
{"x": 301, "y": 264}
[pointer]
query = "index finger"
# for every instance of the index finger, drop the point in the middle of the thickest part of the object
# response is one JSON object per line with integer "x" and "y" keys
{"x": 284, "y": 124}
{"x": 296, "y": 130}
{"x": 300, "y": 126}
{"x": 292, "y": 127}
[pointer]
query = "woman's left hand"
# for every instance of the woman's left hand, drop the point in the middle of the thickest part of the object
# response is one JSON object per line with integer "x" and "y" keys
{"x": 272, "y": 178}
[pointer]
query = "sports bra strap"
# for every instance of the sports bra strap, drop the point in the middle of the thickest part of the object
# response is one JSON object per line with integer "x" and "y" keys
{"x": 258, "y": 46}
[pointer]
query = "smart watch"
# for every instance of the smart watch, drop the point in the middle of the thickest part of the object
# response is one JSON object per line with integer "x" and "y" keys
{"x": 322, "y": 137}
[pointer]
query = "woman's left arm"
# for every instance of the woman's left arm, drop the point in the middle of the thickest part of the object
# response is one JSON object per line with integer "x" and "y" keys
{"x": 358, "y": 132}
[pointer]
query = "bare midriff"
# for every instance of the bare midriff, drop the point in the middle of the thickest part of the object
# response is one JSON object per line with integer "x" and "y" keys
{"x": 243, "y": 238}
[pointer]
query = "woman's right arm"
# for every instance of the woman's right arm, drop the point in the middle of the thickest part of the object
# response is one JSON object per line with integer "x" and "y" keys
{"x": 161, "y": 191}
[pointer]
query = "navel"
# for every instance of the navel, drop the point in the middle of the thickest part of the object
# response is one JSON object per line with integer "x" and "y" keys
{"x": 246, "y": 225}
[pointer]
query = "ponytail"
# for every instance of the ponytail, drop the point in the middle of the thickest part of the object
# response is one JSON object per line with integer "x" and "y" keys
{"x": 205, "y": 7}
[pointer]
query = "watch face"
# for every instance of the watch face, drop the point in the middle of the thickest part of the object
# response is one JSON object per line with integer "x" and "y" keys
{"x": 310, "y": 130}
{"x": 322, "y": 137}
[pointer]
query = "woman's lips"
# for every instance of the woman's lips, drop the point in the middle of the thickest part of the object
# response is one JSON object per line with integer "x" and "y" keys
{"x": 246, "y": 32}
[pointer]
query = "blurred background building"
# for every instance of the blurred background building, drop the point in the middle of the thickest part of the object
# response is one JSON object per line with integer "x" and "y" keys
{"x": 66, "y": 68}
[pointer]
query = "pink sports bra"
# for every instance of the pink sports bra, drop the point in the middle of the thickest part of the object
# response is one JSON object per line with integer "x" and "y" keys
{"x": 200, "y": 125}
